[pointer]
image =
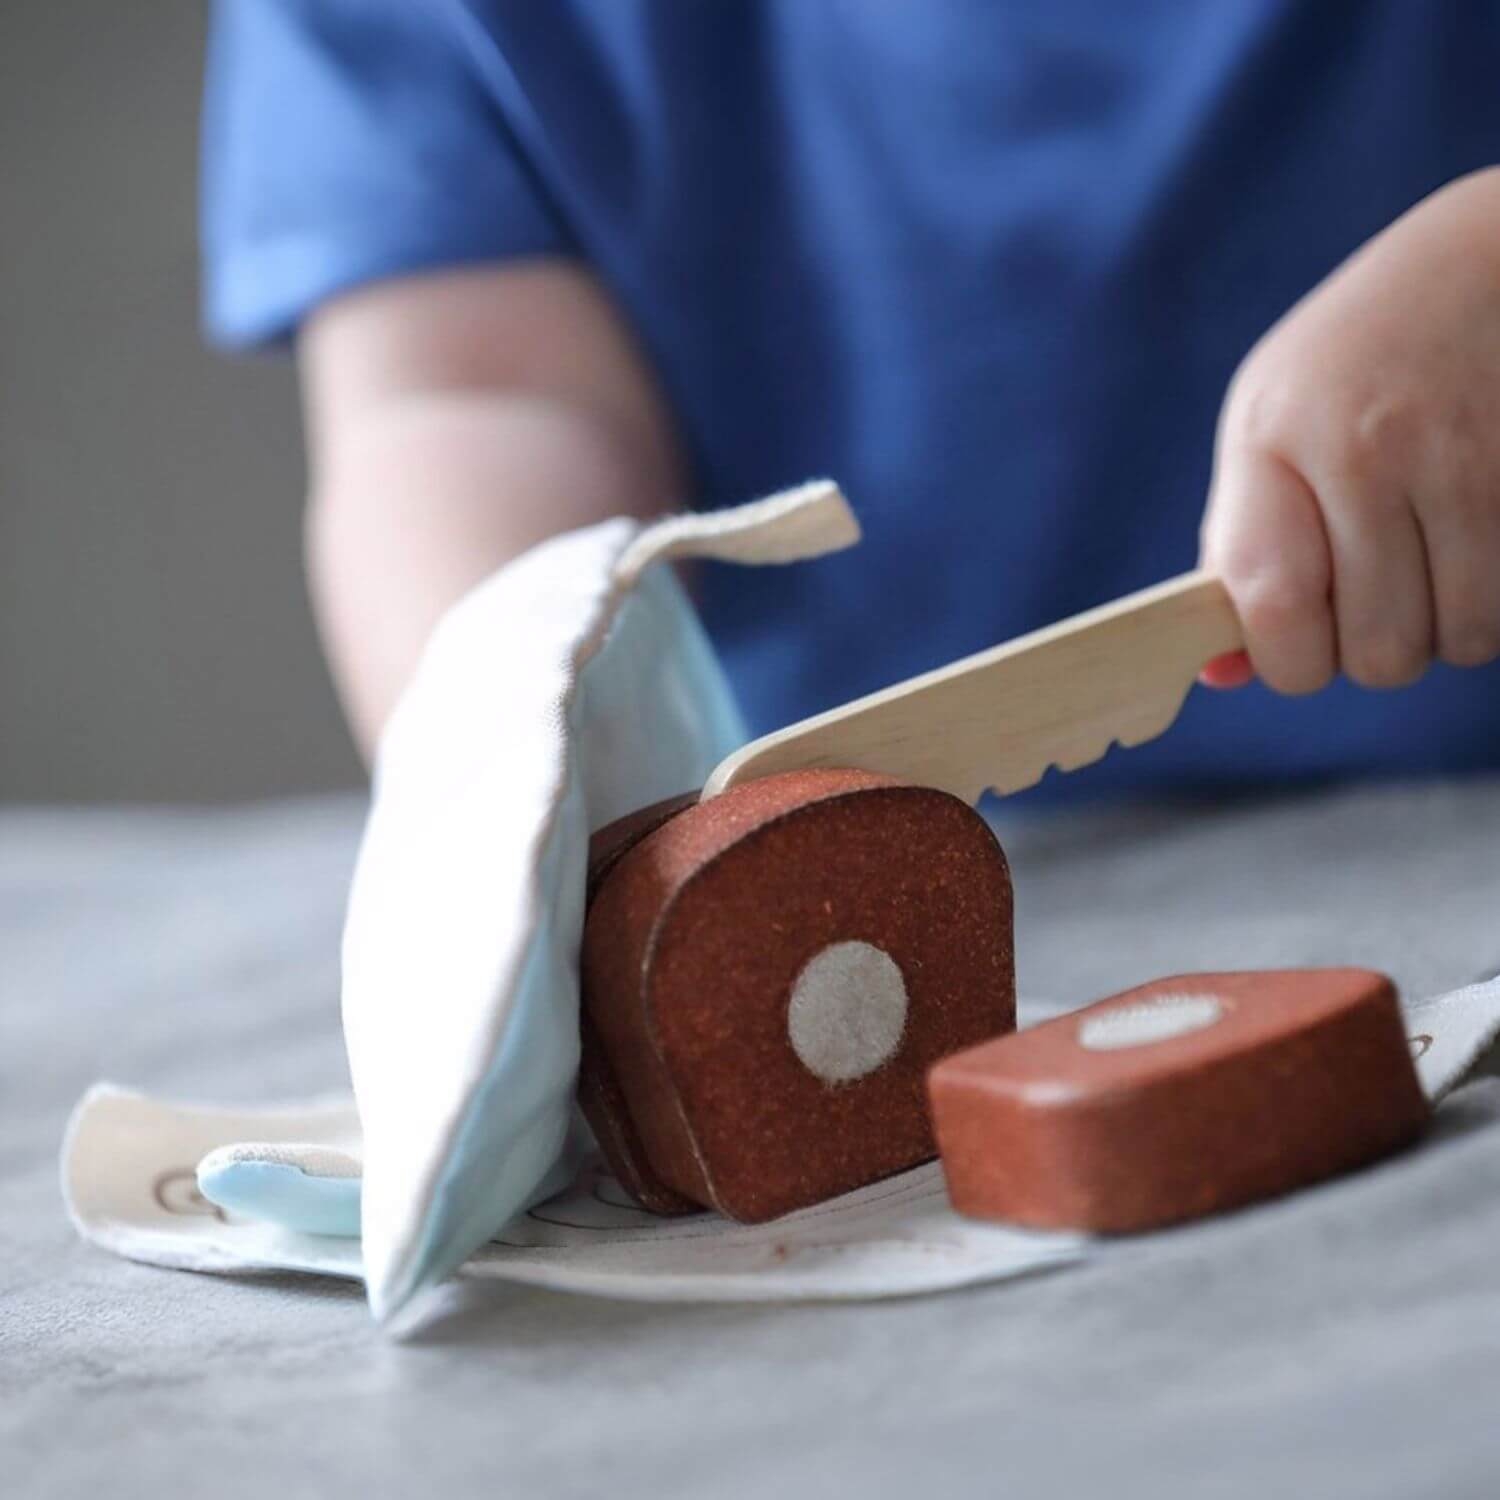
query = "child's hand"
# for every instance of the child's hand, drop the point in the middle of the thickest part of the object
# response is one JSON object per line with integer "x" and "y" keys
{"x": 1355, "y": 507}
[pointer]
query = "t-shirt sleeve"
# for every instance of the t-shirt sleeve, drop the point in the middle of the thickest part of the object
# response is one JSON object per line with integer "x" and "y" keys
{"x": 344, "y": 141}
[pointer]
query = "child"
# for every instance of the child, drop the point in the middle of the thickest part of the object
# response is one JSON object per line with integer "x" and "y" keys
{"x": 991, "y": 264}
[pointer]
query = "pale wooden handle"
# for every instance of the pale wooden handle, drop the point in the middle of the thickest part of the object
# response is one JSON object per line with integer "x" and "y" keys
{"x": 1190, "y": 618}
{"x": 1057, "y": 697}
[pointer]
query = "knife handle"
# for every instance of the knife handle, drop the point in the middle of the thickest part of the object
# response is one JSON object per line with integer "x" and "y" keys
{"x": 1059, "y": 696}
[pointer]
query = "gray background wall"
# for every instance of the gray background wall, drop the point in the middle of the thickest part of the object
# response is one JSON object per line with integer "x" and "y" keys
{"x": 154, "y": 639}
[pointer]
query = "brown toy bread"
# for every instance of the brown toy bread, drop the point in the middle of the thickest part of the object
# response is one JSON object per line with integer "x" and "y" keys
{"x": 768, "y": 976}
{"x": 1181, "y": 1098}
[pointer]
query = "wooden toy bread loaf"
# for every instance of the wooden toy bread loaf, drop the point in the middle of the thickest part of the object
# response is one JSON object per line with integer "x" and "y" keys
{"x": 768, "y": 976}
{"x": 1180, "y": 1098}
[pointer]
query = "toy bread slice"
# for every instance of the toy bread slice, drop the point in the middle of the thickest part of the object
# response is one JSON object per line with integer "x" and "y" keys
{"x": 600, "y": 1096}
{"x": 1181, "y": 1098}
{"x": 768, "y": 977}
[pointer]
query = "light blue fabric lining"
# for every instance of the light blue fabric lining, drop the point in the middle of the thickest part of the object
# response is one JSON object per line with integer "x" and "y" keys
{"x": 284, "y": 1194}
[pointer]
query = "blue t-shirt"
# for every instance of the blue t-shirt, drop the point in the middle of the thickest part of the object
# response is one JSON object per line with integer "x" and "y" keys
{"x": 987, "y": 263}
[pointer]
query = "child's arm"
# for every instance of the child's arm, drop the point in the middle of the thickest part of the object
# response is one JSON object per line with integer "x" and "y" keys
{"x": 455, "y": 419}
{"x": 1355, "y": 508}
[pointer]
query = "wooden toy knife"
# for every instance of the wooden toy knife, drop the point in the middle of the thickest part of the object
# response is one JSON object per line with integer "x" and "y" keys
{"x": 999, "y": 719}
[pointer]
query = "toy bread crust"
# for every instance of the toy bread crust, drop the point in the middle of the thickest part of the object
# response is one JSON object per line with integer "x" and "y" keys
{"x": 614, "y": 841}
{"x": 599, "y": 1094}
{"x": 702, "y": 937}
{"x": 1177, "y": 1099}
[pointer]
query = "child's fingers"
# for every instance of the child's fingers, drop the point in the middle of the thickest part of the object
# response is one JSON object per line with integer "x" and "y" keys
{"x": 1263, "y": 535}
{"x": 1463, "y": 554}
{"x": 1381, "y": 592}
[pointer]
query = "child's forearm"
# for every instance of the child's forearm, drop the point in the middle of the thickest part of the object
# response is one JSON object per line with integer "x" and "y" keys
{"x": 454, "y": 421}
{"x": 429, "y": 502}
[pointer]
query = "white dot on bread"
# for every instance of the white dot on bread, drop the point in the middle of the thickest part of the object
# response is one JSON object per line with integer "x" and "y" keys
{"x": 847, "y": 1012}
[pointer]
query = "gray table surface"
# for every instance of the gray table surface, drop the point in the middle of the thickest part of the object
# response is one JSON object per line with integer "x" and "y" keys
{"x": 1342, "y": 1342}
